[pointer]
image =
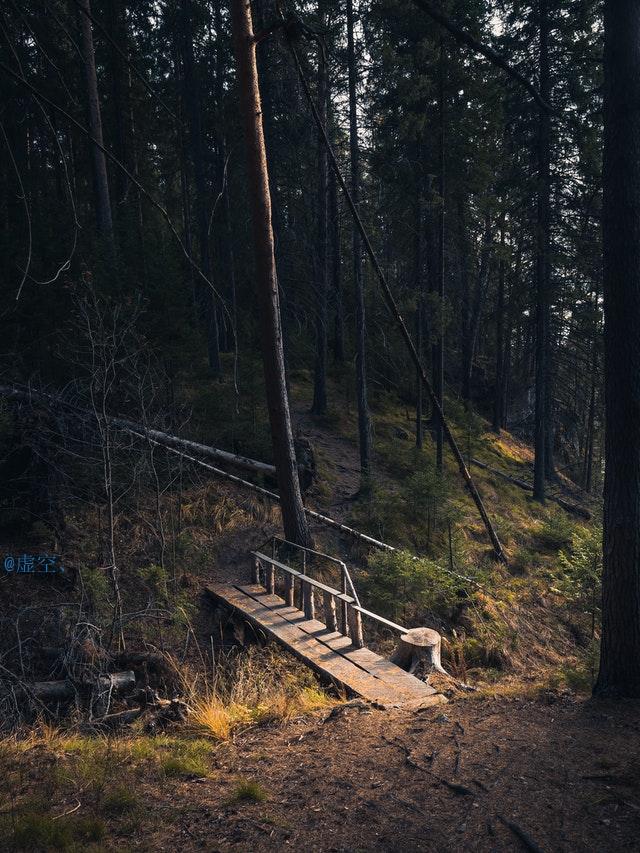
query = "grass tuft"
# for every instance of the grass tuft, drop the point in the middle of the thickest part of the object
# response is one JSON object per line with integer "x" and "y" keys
{"x": 248, "y": 791}
{"x": 121, "y": 800}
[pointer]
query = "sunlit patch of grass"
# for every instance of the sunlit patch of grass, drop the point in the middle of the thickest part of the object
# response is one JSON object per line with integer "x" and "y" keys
{"x": 251, "y": 688}
{"x": 187, "y": 758}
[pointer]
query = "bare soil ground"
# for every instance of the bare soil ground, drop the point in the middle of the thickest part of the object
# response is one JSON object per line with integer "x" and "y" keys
{"x": 551, "y": 774}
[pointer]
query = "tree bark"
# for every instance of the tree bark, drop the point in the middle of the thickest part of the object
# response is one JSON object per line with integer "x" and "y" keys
{"x": 479, "y": 295}
{"x": 498, "y": 400}
{"x": 319, "y": 404}
{"x": 98, "y": 160}
{"x": 336, "y": 270}
{"x": 419, "y": 296}
{"x": 438, "y": 347}
{"x": 364, "y": 421}
{"x": 542, "y": 399}
{"x": 619, "y": 674}
{"x": 293, "y": 515}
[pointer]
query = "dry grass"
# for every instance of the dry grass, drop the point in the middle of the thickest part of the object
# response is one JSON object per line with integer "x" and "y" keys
{"x": 255, "y": 687}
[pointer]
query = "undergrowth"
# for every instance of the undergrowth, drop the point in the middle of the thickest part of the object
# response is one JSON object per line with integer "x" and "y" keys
{"x": 254, "y": 687}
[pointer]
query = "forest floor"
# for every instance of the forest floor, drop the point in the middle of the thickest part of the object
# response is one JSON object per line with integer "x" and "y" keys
{"x": 490, "y": 774}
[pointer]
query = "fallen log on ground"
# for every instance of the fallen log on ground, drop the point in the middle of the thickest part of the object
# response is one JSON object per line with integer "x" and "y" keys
{"x": 66, "y": 689}
{"x": 575, "y": 509}
{"x": 164, "y": 438}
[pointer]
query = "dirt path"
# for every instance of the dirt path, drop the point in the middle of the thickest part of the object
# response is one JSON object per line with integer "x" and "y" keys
{"x": 337, "y": 458}
{"x": 562, "y": 773}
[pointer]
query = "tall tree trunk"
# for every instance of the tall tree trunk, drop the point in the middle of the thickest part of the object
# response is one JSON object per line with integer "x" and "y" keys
{"x": 293, "y": 515}
{"x": 119, "y": 106}
{"x": 438, "y": 347}
{"x": 336, "y": 270}
{"x": 482, "y": 279}
{"x": 419, "y": 295}
{"x": 274, "y": 71}
{"x": 225, "y": 243}
{"x": 498, "y": 399}
{"x": 543, "y": 398}
{"x": 619, "y": 674}
{"x": 98, "y": 160}
{"x": 364, "y": 421}
{"x": 193, "y": 106}
{"x": 319, "y": 404}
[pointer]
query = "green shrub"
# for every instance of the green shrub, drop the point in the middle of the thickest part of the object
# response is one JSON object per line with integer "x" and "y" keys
{"x": 401, "y": 586}
{"x": 581, "y": 568}
{"x": 156, "y": 578}
{"x": 556, "y": 530}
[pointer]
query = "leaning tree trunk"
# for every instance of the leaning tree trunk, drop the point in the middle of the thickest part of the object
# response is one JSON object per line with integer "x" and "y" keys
{"x": 542, "y": 399}
{"x": 98, "y": 159}
{"x": 619, "y": 674}
{"x": 293, "y": 515}
{"x": 364, "y": 421}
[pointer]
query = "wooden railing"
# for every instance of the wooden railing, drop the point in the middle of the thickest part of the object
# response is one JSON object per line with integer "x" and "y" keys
{"x": 341, "y": 607}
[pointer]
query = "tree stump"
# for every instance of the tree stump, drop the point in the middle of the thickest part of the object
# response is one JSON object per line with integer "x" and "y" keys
{"x": 419, "y": 645}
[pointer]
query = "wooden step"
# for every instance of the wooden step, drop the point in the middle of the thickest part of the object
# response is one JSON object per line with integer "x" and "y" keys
{"x": 358, "y": 671}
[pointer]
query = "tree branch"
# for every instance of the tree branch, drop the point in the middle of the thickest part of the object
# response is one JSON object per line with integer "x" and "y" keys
{"x": 477, "y": 47}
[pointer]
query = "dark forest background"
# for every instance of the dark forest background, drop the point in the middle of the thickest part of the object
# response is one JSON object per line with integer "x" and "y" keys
{"x": 484, "y": 210}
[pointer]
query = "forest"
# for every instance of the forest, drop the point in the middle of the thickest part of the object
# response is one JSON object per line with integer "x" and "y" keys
{"x": 320, "y": 425}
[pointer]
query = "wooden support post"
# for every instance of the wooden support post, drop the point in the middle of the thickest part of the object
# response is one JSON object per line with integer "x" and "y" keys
{"x": 330, "y": 617}
{"x": 355, "y": 624}
{"x": 289, "y": 589}
{"x": 302, "y": 602}
{"x": 257, "y": 566}
{"x": 271, "y": 579}
{"x": 309, "y": 600}
{"x": 344, "y": 615}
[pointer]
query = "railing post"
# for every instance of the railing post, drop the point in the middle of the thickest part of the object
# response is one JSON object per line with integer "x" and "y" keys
{"x": 344, "y": 620}
{"x": 309, "y": 601}
{"x": 289, "y": 589}
{"x": 255, "y": 574}
{"x": 355, "y": 623}
{"x": 330, "y": 618}
{"x": 302, "y": 601}
{"x": 271, "y": 579}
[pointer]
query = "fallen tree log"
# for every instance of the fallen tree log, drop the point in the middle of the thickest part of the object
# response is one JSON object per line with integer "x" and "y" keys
{"x": 575, "y": 509}
{"x": 66, "y": 689}
{"x": 164, "y": 438}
